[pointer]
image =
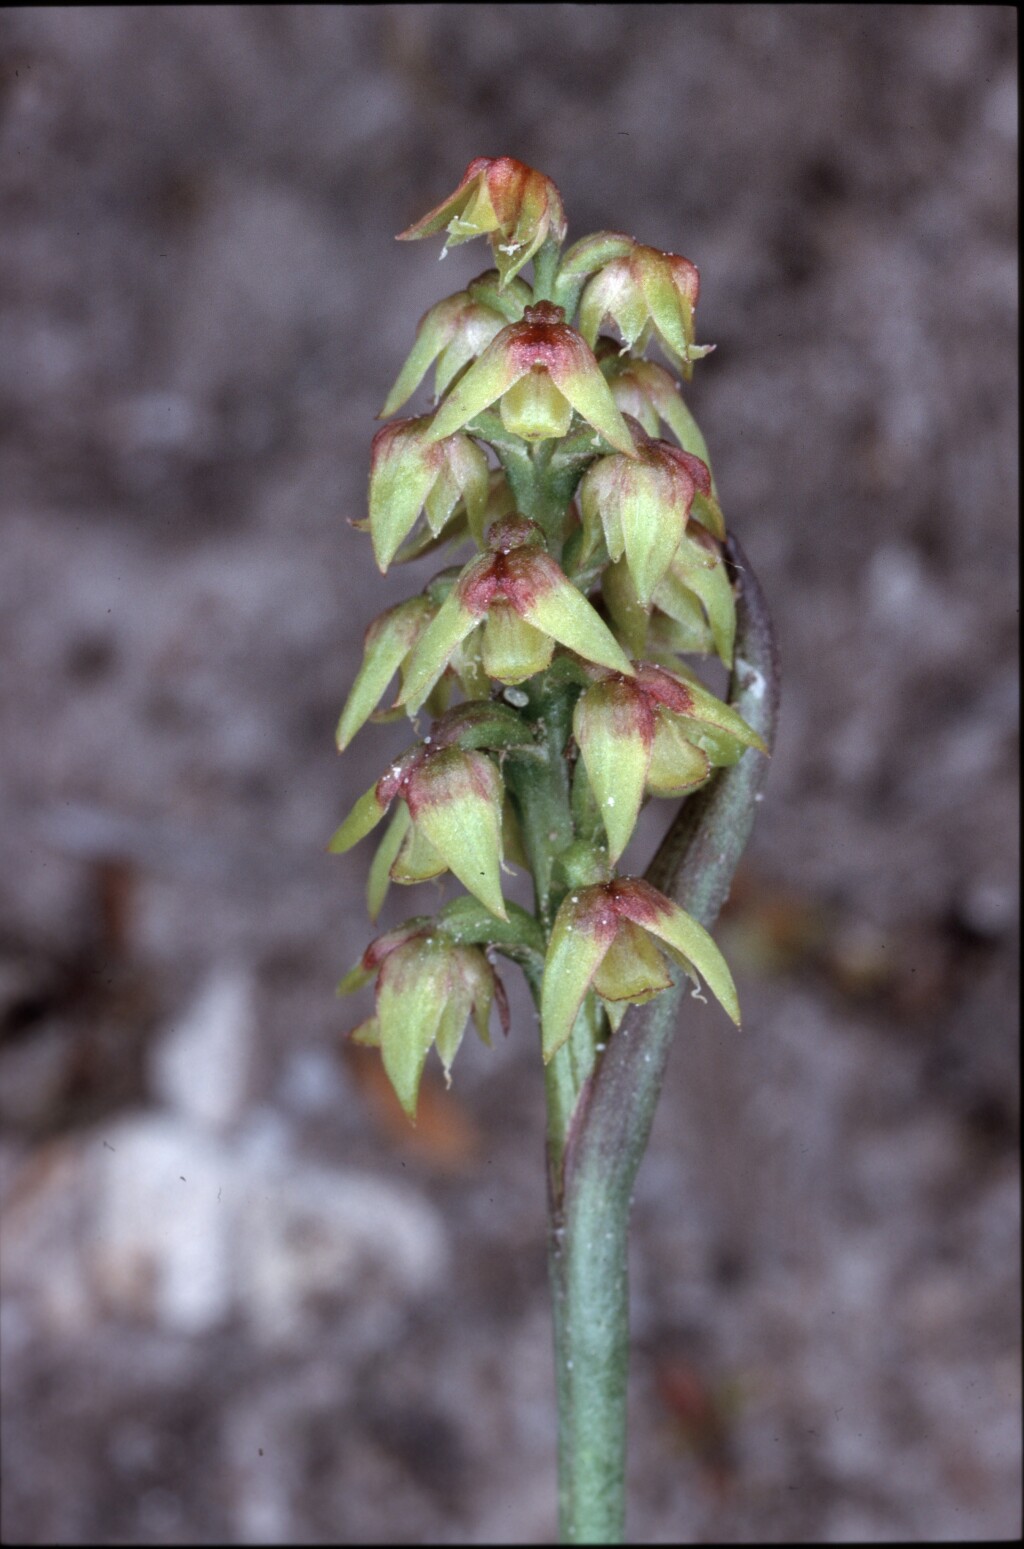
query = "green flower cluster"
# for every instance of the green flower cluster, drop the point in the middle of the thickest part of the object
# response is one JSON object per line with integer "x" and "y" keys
{"x": 551, "y": 661}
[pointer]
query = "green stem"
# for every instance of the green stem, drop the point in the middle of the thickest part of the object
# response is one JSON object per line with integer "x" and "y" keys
{"x": 545, "y": 263}
{"x": 608, "y": 1132}
{"x": 541, "y": 793}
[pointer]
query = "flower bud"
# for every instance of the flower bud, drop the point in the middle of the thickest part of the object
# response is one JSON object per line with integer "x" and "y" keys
{"x": 601, "y": 938}
{"x": 643, "y": 504}
{"x": 500, "y": 198}
{"x": 643, "y": 293}
{"x": 411, "y": 470}
{"x": 544, "y": 370}
{"x": 452, "y": 333}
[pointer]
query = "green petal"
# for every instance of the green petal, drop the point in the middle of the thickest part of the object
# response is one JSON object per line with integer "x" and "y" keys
{"x": 449, "y": 626}
{"x": 668, "y": 312}
{"x": 471, "y": 990}
{"x": 673, "y": 925}
{"x": 599, "y": 507}
{"x": 389, "y": 640}
{"x": 590, "y": 395}
{"x": 695, "y": 570}
{"x": 456, "y": 798}
{"x": 613, "y": 293}
{"x": 442, "y": 213}
{"x": 710, "y": 710}
{"x": 380, "y": 867}
{"x": 680, "y": 624}
{"x": 365, "y": 815}
{"x": 355, "y": 979}
{"x": 493, "y": 374}
{"x": 680, "y": 421}
{"x": 463, "y": 475}
{"x": 626, "y": 611}
{"x": 562, "y": 612}
{"x": 479, "y": 976}
{"x": 432, "y": 335}
{"x": 651, "y": 530}
{"x": 411, "y": 998}
{"x": 580, "y": 937}
{"x": 615, "y": 730}
{"x": 708, "y": 512}
{"x": 451, "y": 1031}
{"x": 401, "y": 480}
{"x": 367, "y": 1034}
{"x": 594, "y": 252}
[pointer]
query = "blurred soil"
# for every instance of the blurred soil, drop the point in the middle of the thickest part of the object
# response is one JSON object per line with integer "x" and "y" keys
{"x": 241, "y": 1302}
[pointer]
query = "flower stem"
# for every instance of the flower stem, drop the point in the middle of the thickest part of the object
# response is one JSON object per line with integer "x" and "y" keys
{"x": 591, "y": 1189}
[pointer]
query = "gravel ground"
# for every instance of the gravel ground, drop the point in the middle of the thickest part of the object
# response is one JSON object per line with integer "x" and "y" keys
{"x": 241, "y": 1303}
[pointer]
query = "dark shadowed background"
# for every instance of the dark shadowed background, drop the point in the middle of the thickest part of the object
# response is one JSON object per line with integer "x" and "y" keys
{"x": 242, "y": 1302}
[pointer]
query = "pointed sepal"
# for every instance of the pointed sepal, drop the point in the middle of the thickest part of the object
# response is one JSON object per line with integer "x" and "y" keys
{"x": 455, "y": 798}
{"x": 638, "y": 901}
{"x": 583, "y": 930}
{"x": 614, "y": 726}
{"x": 389, "y": 640}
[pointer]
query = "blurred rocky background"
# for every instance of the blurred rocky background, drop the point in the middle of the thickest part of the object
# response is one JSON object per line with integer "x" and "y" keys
{"x": 241, "y": 1301}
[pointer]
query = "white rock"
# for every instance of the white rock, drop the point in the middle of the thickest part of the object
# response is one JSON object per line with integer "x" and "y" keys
{"x": 201, "y": 1065}
{"x": 160, "y": 1249}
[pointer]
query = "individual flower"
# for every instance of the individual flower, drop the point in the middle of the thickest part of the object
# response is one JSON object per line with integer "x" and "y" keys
{"x": 452, "y": 333}
{"x": 525, "y": 603}
{"x": 404, "y": 854}
{"x": 654, "y": 733}
{"x": 602, "y": 937}
{"x": 645, "y": 293}
{"x": 694, "y": 605}
{"x": 454, "y": 798}
{"x": 503, "y": 199}
{"x": 413, "y": 470}
{"x": 698, "y": 575}
{"x": 541, "y": 370}
{"x": 427, "y": 988}
{"x": 387, "y": 644}
{"x": 643, "y": 504}
{"x": 648, "y": 393}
